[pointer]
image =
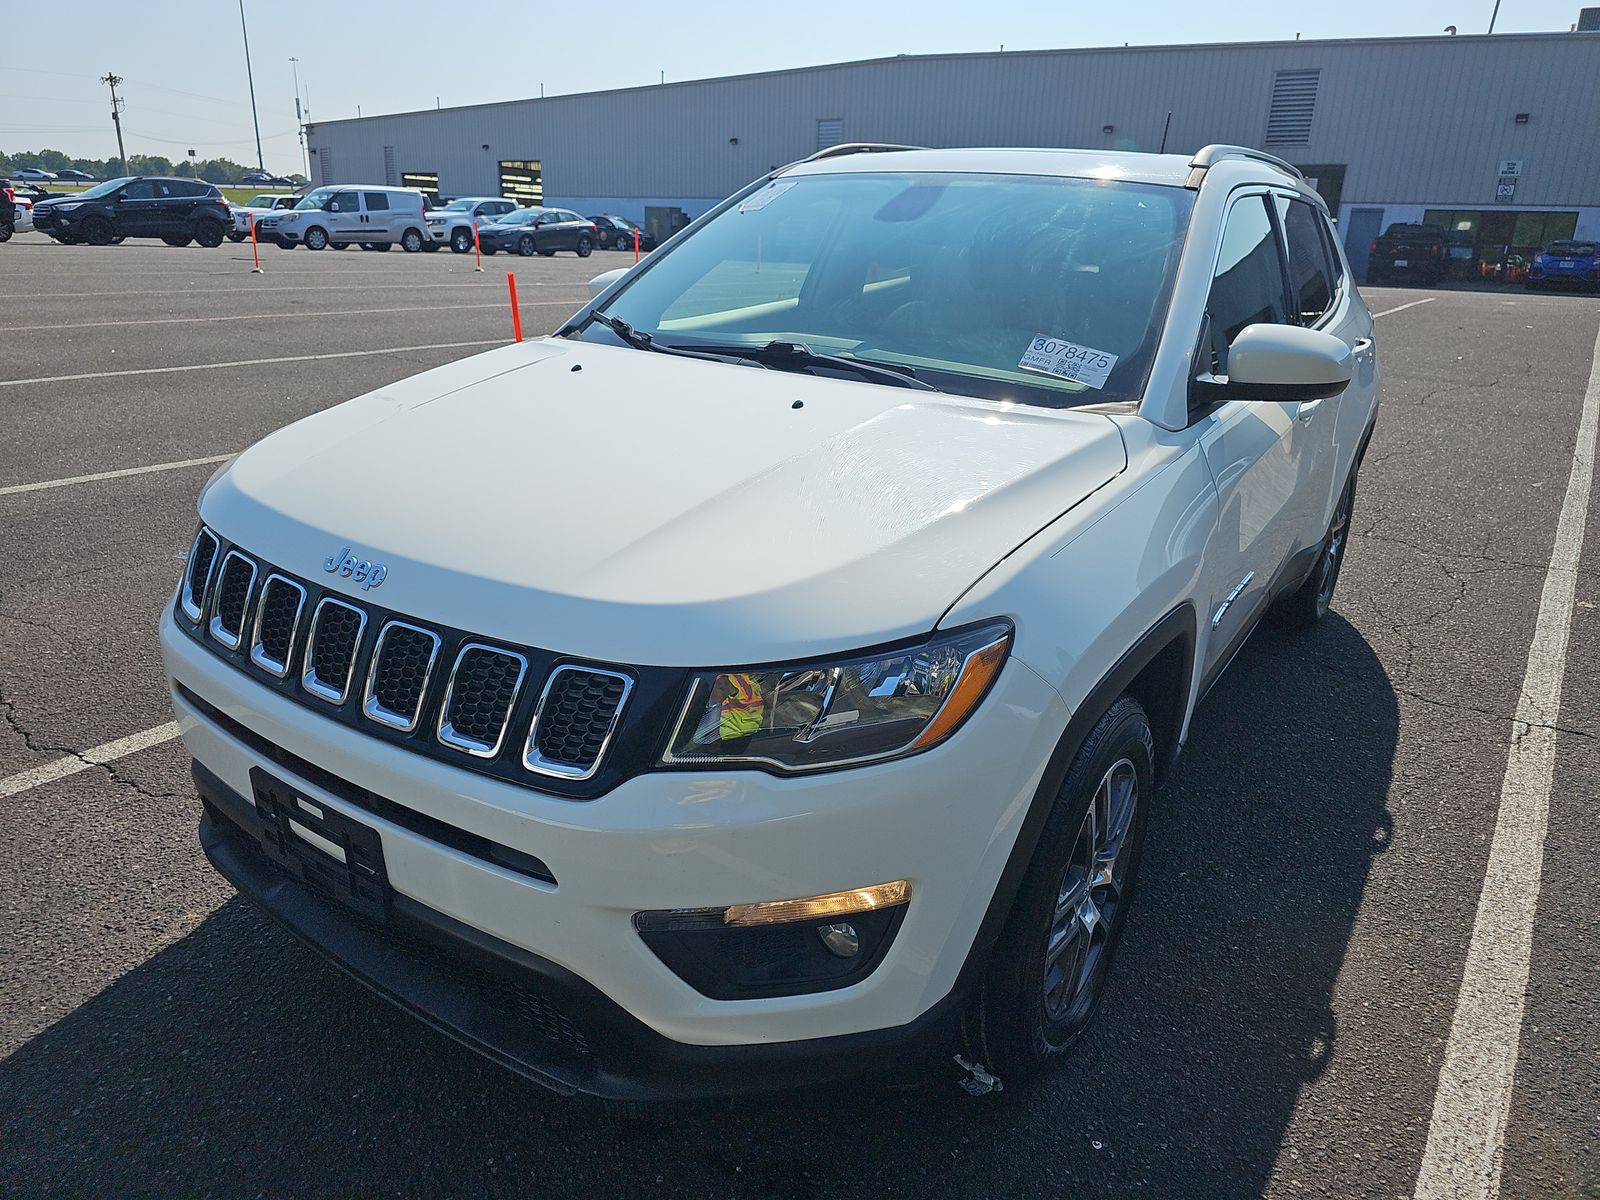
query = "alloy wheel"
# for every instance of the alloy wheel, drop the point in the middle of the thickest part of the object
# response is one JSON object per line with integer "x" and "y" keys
{"x": 1332, "y": 557}
{"x": 1090, "y": 898}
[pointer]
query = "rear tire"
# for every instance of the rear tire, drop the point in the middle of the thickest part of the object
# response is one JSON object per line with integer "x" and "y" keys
{"x": 316, "y": 238}
{"x": 584, "y": 247}
{"x": 5, "y": 233}
{"x": 1049, "y": 966}
{"x": 410, "y": 241}
{"x": 236, "y": 238}
{"x": 173, "y": 239}
{"x": 1309, "y": 603}
{"x": 209, "y": 234}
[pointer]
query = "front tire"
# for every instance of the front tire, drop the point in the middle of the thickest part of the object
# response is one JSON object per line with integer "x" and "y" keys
{"x": 236, "y": 238}
{"x": 461, "y": 241}
{"x": 1049, "y": 966}
{"x": 525, "y": 246}
{"x": 316, "y": 238}
{"x": 97, "y": 231}
{"x": 1309, "y": 603}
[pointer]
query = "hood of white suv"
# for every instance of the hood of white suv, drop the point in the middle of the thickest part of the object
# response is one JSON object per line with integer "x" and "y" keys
{"x": 615, "y": 504}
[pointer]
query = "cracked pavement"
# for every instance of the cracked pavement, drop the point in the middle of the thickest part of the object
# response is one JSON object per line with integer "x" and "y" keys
{"x": 1276, "y": 1019}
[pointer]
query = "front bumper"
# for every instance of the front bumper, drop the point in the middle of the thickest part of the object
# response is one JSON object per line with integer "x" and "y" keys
{"x": 946, "y": 820}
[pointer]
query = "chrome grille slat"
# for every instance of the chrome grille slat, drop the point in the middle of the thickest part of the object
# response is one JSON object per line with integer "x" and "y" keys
{"x": 397, "y": 690}
{"x": 272, "y": 646}
{"x": 202, "y": 550}
{"x": 479, "y": 698}
{"x": 575, "y": 719}
{"x": 230, "y": 601}
{"x": 330, "y": 659}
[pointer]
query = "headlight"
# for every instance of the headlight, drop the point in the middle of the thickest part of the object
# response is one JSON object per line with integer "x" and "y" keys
{"x": 68, "y": 207}
{"x": 831, "y": 714}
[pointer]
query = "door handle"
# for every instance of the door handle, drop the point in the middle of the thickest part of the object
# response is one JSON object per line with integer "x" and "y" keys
{"x": 1307, "y": 410}
{"x": 1363, "y": 347}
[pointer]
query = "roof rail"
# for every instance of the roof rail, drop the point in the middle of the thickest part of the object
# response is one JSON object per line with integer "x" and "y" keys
{"x": 844, "y": 148}
{"x": 1209, "y": 156}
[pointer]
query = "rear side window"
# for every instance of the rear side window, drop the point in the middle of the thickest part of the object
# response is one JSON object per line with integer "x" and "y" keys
{"x": 377, "y": 202}
{"x": 1310, "y": 272}
{"x": 1248, "y": 286}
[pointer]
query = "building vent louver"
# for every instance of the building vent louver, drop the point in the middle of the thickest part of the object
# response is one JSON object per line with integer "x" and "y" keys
{"x": 1294, "y": 104}
{"x": 389, "y": 175}
{"x": 830, "y": 132}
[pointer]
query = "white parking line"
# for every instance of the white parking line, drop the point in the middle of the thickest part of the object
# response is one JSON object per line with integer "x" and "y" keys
{"x": 1402, "y": 307}
{"x": 47, "y": 484}
{"x": 1466, "y": 1138}
{"x": 347, "y": 312}
{"x": 13, "y": 785}
{"x": 249, "y": 362}
{"x": 268, "y": 289}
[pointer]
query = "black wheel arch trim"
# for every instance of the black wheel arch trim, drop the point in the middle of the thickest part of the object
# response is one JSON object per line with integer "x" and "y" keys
{"x": 1180, "y": 626}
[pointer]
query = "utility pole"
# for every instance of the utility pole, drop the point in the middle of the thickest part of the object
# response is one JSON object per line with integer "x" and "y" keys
{"x": 111, "y": 82}
{"x": 261, "y": 162}
{"x": 1494, "y": 15}
{"x": 299, "y": 118}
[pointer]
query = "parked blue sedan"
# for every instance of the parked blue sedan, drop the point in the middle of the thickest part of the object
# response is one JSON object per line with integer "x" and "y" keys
{"x": 1574, "y": 264}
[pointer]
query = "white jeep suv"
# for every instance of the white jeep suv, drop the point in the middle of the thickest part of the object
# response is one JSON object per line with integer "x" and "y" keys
{"x": 770, "y": 674}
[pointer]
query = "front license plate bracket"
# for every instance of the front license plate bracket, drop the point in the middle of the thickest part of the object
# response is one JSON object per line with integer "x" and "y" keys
{"x": 360, "y": 882}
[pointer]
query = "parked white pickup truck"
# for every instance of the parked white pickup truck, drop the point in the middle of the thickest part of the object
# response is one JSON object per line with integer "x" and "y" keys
{"x": 770, "y": 674}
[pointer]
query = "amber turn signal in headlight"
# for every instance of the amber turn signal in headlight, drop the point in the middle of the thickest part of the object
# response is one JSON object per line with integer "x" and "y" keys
{"x": 861, "y": 709}
{"x": 834, "y": 904}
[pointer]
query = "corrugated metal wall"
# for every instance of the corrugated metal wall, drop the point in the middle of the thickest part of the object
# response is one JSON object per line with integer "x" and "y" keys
{"x": 1422, "y": 120}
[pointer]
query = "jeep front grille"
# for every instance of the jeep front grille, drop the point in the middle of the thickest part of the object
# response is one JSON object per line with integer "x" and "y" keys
{"x": 477, "y": 701}
{"x": 277, "y": 620}
{"x": 331, "y": 650}
{"x": 197, "y": 574}
{"x": 234, "y": 581}
{"x": 573, "y": 724}
{"x": 441, "y": 692}
{"x": 402, "y": 662}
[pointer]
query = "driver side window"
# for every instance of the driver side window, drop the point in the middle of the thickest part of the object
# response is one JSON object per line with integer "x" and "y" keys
{"x": 1247, "y": 288}
{"x": 140, "y": 189}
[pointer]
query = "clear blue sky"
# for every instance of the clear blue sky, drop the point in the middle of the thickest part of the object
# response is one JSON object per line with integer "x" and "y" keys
{"x": 184, "y": 62}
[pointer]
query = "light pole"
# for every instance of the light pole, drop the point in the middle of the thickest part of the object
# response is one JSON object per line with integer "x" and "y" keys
{"x": 111, "y": 81}
{"x": 261, "y": 162}
{"x": 299, "y": 117}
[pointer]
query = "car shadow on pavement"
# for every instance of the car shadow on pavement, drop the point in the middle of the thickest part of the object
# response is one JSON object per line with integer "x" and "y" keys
{"x": 234, "y": 1063}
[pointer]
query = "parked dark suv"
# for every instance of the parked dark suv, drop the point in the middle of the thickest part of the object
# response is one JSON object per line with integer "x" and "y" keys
{"x": 178, "y": 211}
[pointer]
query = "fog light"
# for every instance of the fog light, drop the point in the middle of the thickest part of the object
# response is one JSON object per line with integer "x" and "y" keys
{"x": 841, "y": 939}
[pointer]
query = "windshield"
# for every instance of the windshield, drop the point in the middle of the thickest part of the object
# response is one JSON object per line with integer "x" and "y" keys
{"x": 458, "y": 206}
{"x": 523, "y": 216}
{"x": 1040, "y": 290}
{"x": 103, "y": 189}
{"x": 318, "y": 198}
{"x": 1573, "y": 249}
{"x": 260, "y": 202}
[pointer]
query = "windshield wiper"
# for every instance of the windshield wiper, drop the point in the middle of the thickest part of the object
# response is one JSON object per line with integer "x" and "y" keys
{"x": 640, "y": 340}
{"x": 800, "y": 356}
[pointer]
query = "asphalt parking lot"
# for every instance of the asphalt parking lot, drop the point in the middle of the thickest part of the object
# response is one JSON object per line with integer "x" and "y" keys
{"x": 1279, "y": 1015}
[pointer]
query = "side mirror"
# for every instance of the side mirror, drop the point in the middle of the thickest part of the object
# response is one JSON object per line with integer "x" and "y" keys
{"x": 604, "y": 280}
{"x": 1280, "y": 363}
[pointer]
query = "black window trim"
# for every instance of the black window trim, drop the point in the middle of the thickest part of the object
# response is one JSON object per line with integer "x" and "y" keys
{"x": 1330, "y": 254}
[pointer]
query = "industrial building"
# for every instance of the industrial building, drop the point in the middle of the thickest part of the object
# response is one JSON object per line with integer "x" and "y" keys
{"x": 1495, "y": 137}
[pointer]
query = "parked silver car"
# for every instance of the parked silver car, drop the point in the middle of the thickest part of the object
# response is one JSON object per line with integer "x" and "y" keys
{"x": 364, "y": 215}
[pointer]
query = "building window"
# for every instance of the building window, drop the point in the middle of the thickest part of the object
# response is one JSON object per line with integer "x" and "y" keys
{"x": 426, "y": 182}
{"x": 1294, "y": 104}
{"x": 523, "y": 182}
{"x": 830, "y": 132}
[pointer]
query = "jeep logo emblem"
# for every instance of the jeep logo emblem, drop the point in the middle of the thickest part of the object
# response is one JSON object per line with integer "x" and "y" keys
{"x": 358, "y": 570}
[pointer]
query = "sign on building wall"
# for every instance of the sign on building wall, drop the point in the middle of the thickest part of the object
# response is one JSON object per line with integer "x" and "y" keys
{"x": 1510, "y": 167}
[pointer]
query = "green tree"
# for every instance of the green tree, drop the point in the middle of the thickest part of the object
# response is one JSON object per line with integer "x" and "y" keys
{"x": 149, "y": 164}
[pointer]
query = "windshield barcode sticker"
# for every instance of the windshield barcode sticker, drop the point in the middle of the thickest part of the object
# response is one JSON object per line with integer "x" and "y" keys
{"x": 1068, "y": 360}
{"x": 767, "y": 195}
